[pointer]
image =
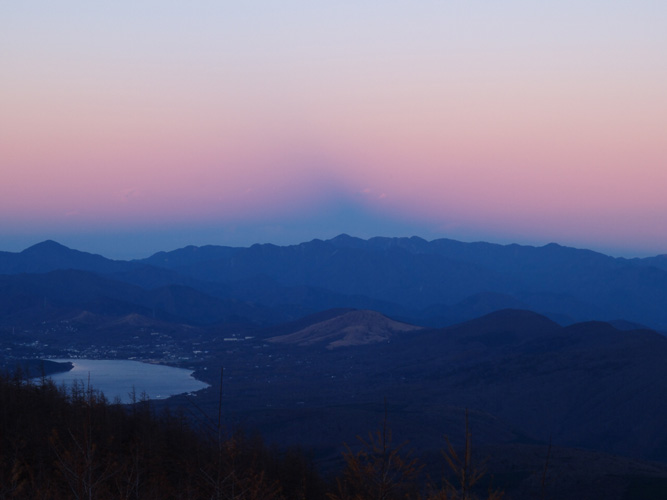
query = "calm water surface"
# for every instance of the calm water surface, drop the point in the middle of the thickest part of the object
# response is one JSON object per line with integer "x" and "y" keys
{"x": 118, "y": 378}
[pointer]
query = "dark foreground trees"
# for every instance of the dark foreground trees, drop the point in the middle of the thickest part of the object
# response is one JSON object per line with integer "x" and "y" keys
{"x": 381, "y": 470}
{"x": 74, "y": 444}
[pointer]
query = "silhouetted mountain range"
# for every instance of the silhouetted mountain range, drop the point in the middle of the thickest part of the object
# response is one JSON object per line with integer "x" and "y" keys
{"x": 430, "y": 283}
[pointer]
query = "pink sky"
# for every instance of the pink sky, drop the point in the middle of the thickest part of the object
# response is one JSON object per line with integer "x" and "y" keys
{"x": 233, "y": 124}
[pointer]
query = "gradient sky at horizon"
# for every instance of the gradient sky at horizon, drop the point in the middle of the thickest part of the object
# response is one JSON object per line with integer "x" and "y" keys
{"x": 132, "y": 127}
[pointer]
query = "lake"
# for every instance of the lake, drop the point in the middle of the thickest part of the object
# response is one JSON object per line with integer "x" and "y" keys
{"x": 118, "y": 378}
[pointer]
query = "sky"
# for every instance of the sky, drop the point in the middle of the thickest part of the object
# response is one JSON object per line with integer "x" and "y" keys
{"x": 129, "y": 127}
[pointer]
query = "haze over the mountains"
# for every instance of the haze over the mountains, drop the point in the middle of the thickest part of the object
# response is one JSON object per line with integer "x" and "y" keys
{"x": 430, "y": 283}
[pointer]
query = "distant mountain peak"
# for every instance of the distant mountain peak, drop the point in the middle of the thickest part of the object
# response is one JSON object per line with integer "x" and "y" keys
{"x": 345, "y": 240}
{"x": 47, "y": 246}
{"x": 343, "y": 237}
{"x": 50, "y": 255}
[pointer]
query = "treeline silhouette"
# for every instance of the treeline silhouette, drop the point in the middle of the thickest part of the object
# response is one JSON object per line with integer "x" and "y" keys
{"x": 72, "y": 443}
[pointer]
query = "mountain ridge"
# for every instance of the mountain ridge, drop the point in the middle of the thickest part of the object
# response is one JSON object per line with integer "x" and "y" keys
{"x": 414, "y": 279}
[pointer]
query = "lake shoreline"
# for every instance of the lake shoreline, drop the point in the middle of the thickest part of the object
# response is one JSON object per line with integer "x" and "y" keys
{"x": 128, "y": 380}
